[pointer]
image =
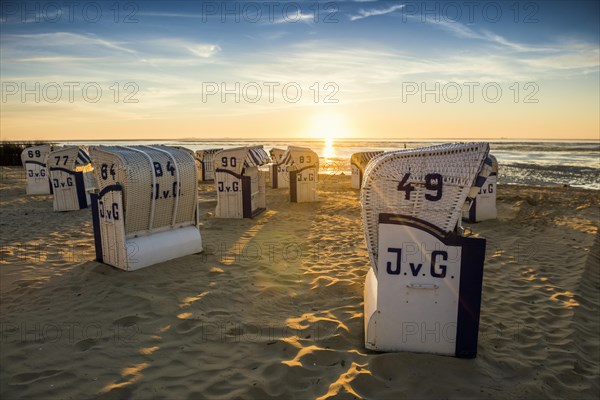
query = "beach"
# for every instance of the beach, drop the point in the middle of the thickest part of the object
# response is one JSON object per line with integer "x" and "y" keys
{"x": 273, "y": 307}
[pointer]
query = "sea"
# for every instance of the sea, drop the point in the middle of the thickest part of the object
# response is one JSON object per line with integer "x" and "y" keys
{"x": 538, "y": 163}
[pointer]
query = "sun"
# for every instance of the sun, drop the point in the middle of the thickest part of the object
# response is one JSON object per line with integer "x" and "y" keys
{"x": 329, "y": 126}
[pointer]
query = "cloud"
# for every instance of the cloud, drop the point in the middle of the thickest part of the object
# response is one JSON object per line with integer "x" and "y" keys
{"x": 64, "y": 39}
{"x": 204, "y": 50}
{"x": 375, "y": 12}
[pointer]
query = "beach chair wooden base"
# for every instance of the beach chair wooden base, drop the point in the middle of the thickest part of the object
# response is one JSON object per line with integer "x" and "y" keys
{"x": 114, "y": 247}
{"x": 424, "y": 294}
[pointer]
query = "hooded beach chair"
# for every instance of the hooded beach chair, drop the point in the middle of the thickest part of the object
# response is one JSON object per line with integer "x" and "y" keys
{"x": 145, "y": 210}
{"x": 34, "y": 160}
{"x": 303, "y": 168}
{"x": 206, "y": 170}
{"x": 358, "y": 163}
{"x": 483, "y": 205}
{"x": 423, "y": 290}
{"x": 280, "y": 176}
{"x": 71, "y": 177}
{"x": 241, "y": 188}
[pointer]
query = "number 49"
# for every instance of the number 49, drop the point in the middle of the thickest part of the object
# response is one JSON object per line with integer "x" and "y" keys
{"x": 432, "y": 182}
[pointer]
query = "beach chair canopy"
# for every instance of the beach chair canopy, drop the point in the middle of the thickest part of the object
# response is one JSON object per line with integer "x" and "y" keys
{"x": 360, "y": 160}
{"x": 276, "y": 154}
{"x": 358, "y": 163}
{"x": 430, "y": 184}
{"x": 298, "y": 158}
{"x": 83, "y": 158}
{"x": 158, "y": 185}
{"x": 69, "y": 157}
{"x": 34, "y": 160}
{"x": 35, "y": 154}
{"x": 237, "y": 159}
{"x": 201, "y": 155}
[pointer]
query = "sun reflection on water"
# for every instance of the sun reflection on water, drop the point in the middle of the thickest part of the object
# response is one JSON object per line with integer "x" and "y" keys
{"x": 328, "y": 148}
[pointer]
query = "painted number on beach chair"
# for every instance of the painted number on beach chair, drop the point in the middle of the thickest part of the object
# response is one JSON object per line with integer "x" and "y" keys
{"x": 433, "y": 182}
{"x": 65, "y": 158}
{"x": 105, "y": 171}
{"x": 402, "y": 186}
{"x": 306, "y": 159}
{"x": 436, "y": 270}
{"x": 235, "y": 186}
{"x": 31, "y": 154}
{"x": 231, "y": 161}
{"x": 170, "y": 168}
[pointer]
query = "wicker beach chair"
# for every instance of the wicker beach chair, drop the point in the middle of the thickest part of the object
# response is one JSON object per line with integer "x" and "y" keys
{"x": 279, "y": 173}
{"x": 423, "y": 291}
{"x": 145, "y": 211}
{"x": 482, "y": 206}
{"x": 72, "y": 178}
{"x": 358, "y": 163}
{"x": 303, "y": 166}
{"x": 241, "y": 186}
{"x": 34, "y": 161}
{"x": 206, "y": 170}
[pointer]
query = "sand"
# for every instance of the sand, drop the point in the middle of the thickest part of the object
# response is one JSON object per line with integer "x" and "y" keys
{"x": 273, "y": 307}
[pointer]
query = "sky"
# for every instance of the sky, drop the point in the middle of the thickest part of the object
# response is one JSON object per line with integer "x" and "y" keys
{"x": 95, "y": 70}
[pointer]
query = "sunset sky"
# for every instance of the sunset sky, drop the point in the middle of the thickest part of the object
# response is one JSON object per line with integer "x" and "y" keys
{"x": 361, "y": 67}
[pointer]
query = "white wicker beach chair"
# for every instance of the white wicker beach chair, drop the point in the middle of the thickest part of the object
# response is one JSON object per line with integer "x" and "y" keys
{"x": 482, "y": 206}
{"x": 280, "y": 176}
{"x": 206, "y": 169}
{"x": 145, "y": 211}
{"x": 303, "y": 166}
{"x": 71, "y": 176}
{"x": 34, "y": 160}
{"x": 423, "y": 291}
{"x": 241, "y": 187}
{"x": 358, "y": 163}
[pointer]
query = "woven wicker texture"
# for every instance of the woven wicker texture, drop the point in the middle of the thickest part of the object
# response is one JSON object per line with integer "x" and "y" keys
{"x": 205, "y": 164}
{"x": 360, "y": 160}
{"x": 206, "y": 154}
{"x": 159, "y": 185}
{"x": 406, "y": 182}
